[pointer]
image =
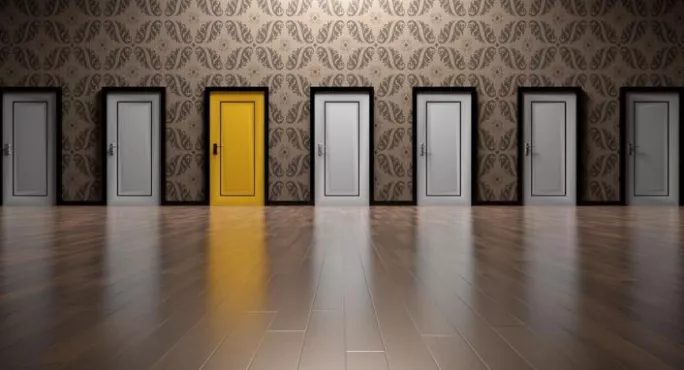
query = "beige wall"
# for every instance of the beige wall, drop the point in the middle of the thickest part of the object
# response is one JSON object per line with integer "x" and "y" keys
{"x": 393, "y": 45}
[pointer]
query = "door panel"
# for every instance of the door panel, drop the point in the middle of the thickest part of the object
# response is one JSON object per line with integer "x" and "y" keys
{"x": 342, "y": 149}
{"x": 550, "y": 148}
{"x": 237, "y": 124}
{"x": 29, "y": 135}
{"x": 134, "y": 140}
{"x": 133, "y": 148}
{"x": 443, "y": 124}
{"x": 341, "y": 137}
{"x": 652, "y": 148}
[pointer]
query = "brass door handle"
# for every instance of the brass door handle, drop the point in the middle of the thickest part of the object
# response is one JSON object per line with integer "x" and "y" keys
{"x": 215, "y": 148}
{"x": 422, "y": 149}
{"x": 631, "y": 148}
{"x": 528, "y": 149}
{"x": 320, "y": 149}
{"x": 112, "y": 149}
{"x": 7, "y": 149}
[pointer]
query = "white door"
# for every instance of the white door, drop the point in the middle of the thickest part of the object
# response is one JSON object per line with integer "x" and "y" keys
{"x": 133, "y": 124}
{"x": 652, "y": 148}
{"x": 444, "y": 140}
{"x": 550, "y": 148}
{"x": 342, "y": 127}
{"x": 29, "y": 135}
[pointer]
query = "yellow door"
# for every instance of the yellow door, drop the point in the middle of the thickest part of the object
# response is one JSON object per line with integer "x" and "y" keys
{"x": 236, "y": 148}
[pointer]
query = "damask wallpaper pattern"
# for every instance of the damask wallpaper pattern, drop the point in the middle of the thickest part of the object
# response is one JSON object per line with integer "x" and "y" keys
{"x": 290, "y": 45}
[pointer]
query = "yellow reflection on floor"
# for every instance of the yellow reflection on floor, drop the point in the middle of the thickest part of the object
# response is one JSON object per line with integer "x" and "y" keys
{"x": 237, "y": 266}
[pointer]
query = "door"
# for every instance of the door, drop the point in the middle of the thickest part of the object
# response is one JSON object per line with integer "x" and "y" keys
{"x": 652, "y": 148}
{"x": 237, "y": 147}
{"x": 550, "y": 147}
{"x": 133, "y": 147}
{"x": 341, "y": 137}
{"x": 444, "y": 123}
{"x": 29, "y": 139}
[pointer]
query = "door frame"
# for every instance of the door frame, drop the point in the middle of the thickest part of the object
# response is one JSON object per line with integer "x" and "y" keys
{"x": 417, "y": 90}
{"x": 207, "y": 137}
{"x": 57, "y": 90}
{"x": 313, "y": 90}
{"x": 104, "y": 92}
{"x": 624, "y": 91}
{"x": 579, "y": 145}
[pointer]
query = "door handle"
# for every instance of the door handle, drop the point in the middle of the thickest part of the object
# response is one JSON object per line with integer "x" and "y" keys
{"x": 319, "y": 149}
{"x": 631, "y": 148}
{"x": 528, "y": 149}
{"x": 112, "y": 149}
{"x": 7, "y": 149}
{"x": 215, "y": 148}
{"x": 422, "y": 149}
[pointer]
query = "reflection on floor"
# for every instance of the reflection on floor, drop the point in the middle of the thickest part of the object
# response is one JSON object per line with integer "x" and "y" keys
{"x": 341, "y": 288}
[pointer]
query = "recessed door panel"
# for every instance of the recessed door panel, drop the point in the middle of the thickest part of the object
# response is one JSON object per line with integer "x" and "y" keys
{"x": 443, "y": 124}
{"x": 549, "y": 147}
{"x": 134, "y": 131}
{"x": 236, "y": 150}
{"x": 133, "y": 147}
{"x": 548, "y": 168}
{"x": 238, "y": 139}
{"x": 652, "y": 148}
{"x": 29, "y": 134}
{"x": 342, "y": 148}
{"x": 444, "y": 149}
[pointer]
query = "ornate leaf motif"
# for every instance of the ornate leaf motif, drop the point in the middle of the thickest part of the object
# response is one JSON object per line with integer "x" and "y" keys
{"x": 361, "y": 7}
{"x": 636, "y": 7}
{"x": 331, "y": 7}
{"x": 573, "y": 32}
{"x": 664, "y": 58}
{"x": 148, "y": 58}
{"x": 52, "y": 7}
{"x": 482, "y": 32}
{"x": 269, "y": 31}
{"x": 178, "y": 85}
{"x": 118, "y": 57}
{"x": 664, "y": 32}
{"x": 177, "y": 191}
{"x": 360, "y": 58}
{"x": 514, "y": 7}
{"x": 507, "y": 164}
{"x": 208, "y": 58}
{"x": 391, "y": 85}
{"x": 391, "y": 31}
{"x": 481, "y": 7}
{"x": 87, "y": 58}
{"x": 4, "y": 55}
{"x": 360, "y": 32}
{"x": 179, "y": 32}
{"x": 603, "y": 58}
{"x": 239, "y": 32}
{"x": 603, "y": 112}
{"x": 116, "y": 7}
{"x": 575, "y": 7}
{"x": 117, "y": 32}
{"x": 543, "y": 32}
{"x": 208, "y": 32}
{"x": 297, "y": 85}
{"x": 541, "y": 7}
{"x": 269, "y": 58}
{"x": 149, "y": 7}
{"x": 89, "y": 7}
{"x": 87, "y": 85}
{"x": 390, "y": 165}
{"x": 603, "y": 32}
{"x": 391, "y": 191}
{"x": 487, "y": 110}
{"x": 26, "y": 32}
{"x": 600, "y": 8}
{"x": 148, "y": 32}
{"x": 507, "y": 110}
{"x": 178, "y": 58}
{"x": 543, "y": 58}
{"x": 634, "y": 58}
{"x": 420, "y": 7}
{"x": 329, "y": 32}
{"x": 421, "y": 58}
{"x": 453, "y": 7}
{"x": 451, "y": 32}
{"x": 452, "y": 58}
{"x": 298, "y": 113}
{"x": 357, "y": 80}
{"x": 391, "y": 58}
{"x": 393, "y": 8}
{"x": 391, "y": 111}
{"x": 487, "y": 164}
{"x": 573, "y": 58}
{"x": 87, "y": 32}
{"x": 299, "y": 31}
{"x": 421, "y": 31}
{"x": 330, "y": 58}
{"x": 179, "y": 111}
{"x": 633, "y": 32}
{"x": 512, "y": 58}
{"x": 512, "y": 32}
{"x": 296, "y": 8}
{"x": 300, "y": 58}
{"x": 176, "y": 7}
{"x": 211, "y": 7}
{"x": 27, "y": 7}
{"x": 661, "y": 7}
{"x": 391, "y": 139}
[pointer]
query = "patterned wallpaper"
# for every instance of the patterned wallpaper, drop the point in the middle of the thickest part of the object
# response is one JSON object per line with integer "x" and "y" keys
{"x": 289, "y": 45}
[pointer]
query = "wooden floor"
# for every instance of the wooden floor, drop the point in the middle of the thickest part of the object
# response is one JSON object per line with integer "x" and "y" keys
{"x": 317, "y": 289}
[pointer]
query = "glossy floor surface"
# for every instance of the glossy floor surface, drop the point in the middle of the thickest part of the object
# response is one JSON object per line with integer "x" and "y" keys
{"x": 341, "y": 288}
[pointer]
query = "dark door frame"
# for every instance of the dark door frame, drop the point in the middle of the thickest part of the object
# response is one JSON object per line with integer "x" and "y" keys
{"x": 624, "y": 91}
{"x": 104, "y": 92}
{"x": 207, "y": 137}
{"x": 57, "y": 90}
{"x": 579, "y": 145}
{"x": 418, "y": 90}
{"x": 313, "y": 90}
